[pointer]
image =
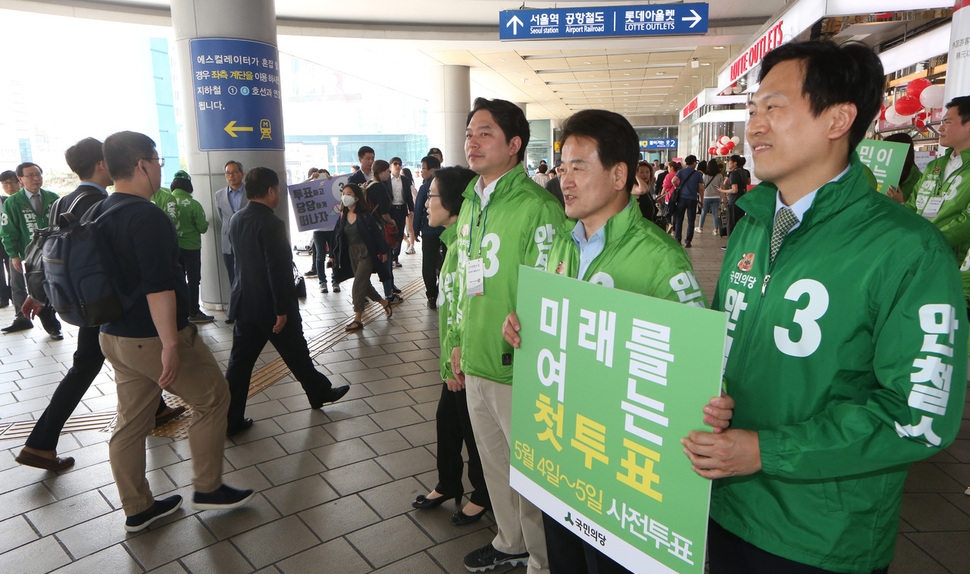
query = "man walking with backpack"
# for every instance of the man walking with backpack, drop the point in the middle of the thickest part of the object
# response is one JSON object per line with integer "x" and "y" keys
{"x": 153, "y": 346}
{"x": 688, "y": 182}
{"x": 40, "y": 451}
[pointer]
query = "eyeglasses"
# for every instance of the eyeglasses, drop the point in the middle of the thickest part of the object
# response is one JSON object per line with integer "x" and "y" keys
{"x": 396, "y": 163}
{"x": 160, "y": 160}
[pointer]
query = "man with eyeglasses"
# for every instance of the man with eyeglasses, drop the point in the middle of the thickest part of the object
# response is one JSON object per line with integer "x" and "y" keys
{"x": 23, "y": 213}
{"x": 11, "y": 185}
{"x": 229, "y": 200}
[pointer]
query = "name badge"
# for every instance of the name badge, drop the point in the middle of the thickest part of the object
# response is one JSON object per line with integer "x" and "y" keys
{"x": 932, "y": 207}
{"x": 475, "y": 277}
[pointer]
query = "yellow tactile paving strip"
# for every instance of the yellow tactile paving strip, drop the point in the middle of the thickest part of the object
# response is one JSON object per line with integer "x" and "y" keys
{"x": 179, "y": 427}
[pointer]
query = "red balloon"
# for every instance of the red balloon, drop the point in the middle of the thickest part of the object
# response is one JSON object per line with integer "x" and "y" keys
{"x": 921, "y": 125}
{"x": 712, "y": 151}
{"x": 882, "y": 112}
{"x": 908, "y": 105}
{"x": 723, "y": 150}
{"x": 730, "y": 146}
{"x": 916, "y": 87}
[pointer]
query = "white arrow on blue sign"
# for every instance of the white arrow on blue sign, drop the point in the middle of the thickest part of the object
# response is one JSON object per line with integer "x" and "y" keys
{"x": 557, "y": 23}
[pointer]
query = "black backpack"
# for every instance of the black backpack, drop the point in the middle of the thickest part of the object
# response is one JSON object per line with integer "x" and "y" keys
{"x": 78, "y": 277}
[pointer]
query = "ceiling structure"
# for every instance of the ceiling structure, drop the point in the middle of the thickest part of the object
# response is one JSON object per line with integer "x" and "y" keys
{"x": 649, "y": 78}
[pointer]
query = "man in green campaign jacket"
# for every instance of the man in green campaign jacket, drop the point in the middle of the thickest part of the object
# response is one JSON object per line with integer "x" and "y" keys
{"x": 943, "y": 194}
{"x": 608, "y": 242}
{"x": 506, "y": 220}
{"x": 23, "y": 213}
{"x": 847, "y": 335}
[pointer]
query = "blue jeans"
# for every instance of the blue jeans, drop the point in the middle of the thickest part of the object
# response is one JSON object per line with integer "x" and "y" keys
{"x": 711, "y": 205}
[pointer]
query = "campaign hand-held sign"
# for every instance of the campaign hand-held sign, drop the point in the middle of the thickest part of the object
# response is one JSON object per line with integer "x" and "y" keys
{"x": 606, "y": 383}
{"x": 316, "y": 203}
{"x": 885, "y": 160}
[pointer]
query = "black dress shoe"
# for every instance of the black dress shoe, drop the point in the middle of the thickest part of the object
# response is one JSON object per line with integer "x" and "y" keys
{"x": 461, "y": 519}
{"x": 239, "y": 427}
{"x": 332, "y": 396}
{"x": 21, "y": 324}
{"x": 422, "y": 502}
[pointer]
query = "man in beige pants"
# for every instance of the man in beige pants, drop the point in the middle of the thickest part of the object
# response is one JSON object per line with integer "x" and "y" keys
{"x": 153, "y": 346}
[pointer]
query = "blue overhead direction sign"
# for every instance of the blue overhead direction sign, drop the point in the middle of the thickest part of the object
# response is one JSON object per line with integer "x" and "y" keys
{"x": 658, "y": 144}
{"x": 238, "y": 104}
{"x": 556, "y": 23}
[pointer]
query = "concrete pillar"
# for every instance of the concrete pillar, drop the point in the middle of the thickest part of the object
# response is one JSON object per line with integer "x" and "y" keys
{"x": 238, "y": 19}
{"x": 447, "y": 111}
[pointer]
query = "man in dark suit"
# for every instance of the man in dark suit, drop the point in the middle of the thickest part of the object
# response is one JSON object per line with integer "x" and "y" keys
{"x": 402, "y": 204}
{"x": 365, "y": 155}
{"x": 263, "y": 302}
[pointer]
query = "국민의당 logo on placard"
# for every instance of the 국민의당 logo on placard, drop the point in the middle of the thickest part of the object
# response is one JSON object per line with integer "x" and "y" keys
{"x": 747, "y": 260}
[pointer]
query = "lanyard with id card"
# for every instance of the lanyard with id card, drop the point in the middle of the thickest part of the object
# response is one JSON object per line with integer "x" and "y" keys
{"x": 932, "y": 207}
{"x": 475, "y": 269}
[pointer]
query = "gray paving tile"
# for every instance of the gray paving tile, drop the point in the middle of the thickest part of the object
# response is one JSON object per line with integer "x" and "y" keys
{"x": 94, "y": 535}
{"x": 79, "y": 480}
{"x": 927, "y": 477}
{"x": 339, "y": 517}
{"x": 39, "y": 557}
{"x": 336, "y": 555}
{"x": 451, "y": 553}
{"x": 343, "y": 453}
{"x": 421, "y": 433}
{"x": 275, "y": 541}
{"x": 68, "y": 512}
{"x": 387, "y": 386}
{"x": 947, "y": 548}
{"x": 436, "y": 522}
{"x": 425, "y": 394}
{"x": 356, "y": 477}
{"x": 221, "y": 558}
{"x": 114, "y": 559}
{"x": 304, "y": 439}
{"x": 226, "y": 524}
{"x": 397, "y": 418}
{"x": 300, "y": 494}
{"x": 407, "y": 463}
{"x": 932, "y": 512}
{"x": 389, "y": 541}
{"x": 291, "y": 467}
{"x": 366, "y": 375}
{"x": 393, "y": 498}
{"x": 353, "y": 427}
{"x": 389, "y": 401}
{"x": 348, "y": 410}
{"x": 254, "y": 453}
{"x": 15, "y": 532}
{"x": 420, "y": 562}
{"x": 158, "y": 546}
{"x": 386, "y": 442}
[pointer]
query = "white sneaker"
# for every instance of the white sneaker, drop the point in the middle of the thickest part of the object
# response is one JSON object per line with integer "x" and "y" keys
{"x": 698, "y": 229}
{"x": 714, "y": 233}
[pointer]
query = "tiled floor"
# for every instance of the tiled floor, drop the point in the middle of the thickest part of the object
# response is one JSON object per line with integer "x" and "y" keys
{"x": 334, "y": 486}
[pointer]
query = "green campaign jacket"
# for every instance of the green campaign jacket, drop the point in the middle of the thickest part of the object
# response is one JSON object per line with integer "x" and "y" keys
{"x": 841, "y": 356}
{"x": 516, "y": 228}
{"x": 637, "y": 256}
{"x": 164, "y": 199}
{"x": 447, "y": 302}
{"x": 191, "y": 223}
{"x": 19, "y": 220}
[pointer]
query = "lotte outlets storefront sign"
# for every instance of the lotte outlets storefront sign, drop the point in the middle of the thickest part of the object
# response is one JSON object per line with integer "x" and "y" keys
{"x": 606, "y": 384}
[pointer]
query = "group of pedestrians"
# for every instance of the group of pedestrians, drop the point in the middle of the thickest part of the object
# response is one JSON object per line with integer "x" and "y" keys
{"x": 847, "y": 323}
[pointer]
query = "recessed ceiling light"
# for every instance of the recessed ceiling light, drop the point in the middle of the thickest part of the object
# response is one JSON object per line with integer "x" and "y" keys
{"x": 501, "y": 59}
{"x": 626, "y": 84}
{"x": 705, "y": 63}
{"x": 718, "y": 47}
{"x": 626, "y": 73}
{"x": 627, "y": 61}
{"x": 660, "y": 73}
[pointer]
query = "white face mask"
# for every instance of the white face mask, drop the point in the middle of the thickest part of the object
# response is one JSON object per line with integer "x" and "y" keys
{"x": 348, "y": 200}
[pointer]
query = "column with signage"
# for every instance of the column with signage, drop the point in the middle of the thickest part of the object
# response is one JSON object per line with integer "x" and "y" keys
{"x": 447, "y": 110}
{"x": 229, "y": 65}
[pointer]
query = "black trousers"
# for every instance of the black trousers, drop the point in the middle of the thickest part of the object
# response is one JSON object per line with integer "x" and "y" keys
{"x": 570, "y": 554}
{"x": 88, "y": 360}
{"x": 454, "y": 428}
{"x": 248, "y": 340}
{"x": 230, "y": 260}
{"x": 399, "y": 213}
{"x": 686, "y": 207}
{"x": 432, "y": 254}
{"x": 322, "y": 240}
{"x": 191, "y": 261}
{"x": 729, "y": 554}
{"x": 5, "y": 292}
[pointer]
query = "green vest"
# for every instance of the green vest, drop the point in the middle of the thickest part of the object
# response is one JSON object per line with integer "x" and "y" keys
{"x": 515, "y": 228}
{"x": 18, "y": 220}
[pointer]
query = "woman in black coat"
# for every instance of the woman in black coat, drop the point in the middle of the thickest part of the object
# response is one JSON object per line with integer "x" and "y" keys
{"x": 359, "y": 250}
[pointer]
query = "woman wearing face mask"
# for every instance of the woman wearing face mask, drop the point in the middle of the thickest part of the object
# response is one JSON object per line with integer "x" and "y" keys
{"x": 359, "y": 250}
